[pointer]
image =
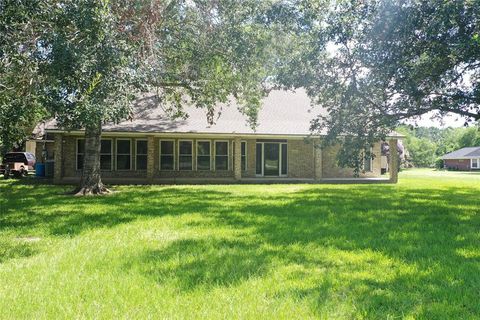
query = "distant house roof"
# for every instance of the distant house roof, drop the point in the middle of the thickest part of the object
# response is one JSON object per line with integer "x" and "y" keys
{"x": 282, "y": 113}
{"x": 464, "y": 153}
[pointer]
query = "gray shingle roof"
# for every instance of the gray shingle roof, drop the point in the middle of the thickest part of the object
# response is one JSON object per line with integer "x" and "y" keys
{"x": 469, "y": 152}
{"x": 474, "y": 153}
{"x": 282, "y": 113}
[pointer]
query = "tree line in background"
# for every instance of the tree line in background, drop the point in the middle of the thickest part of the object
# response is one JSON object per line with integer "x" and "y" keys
{"x": 425, "y": 145}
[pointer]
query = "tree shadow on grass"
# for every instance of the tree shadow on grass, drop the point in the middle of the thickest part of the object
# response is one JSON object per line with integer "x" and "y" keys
{"x": 423, "y": 229}
{"x": 16, "y": 249}
{"x": 424, "y": 240}
{"x": 203, "y": 263}
{"x": 410, "y": 239}
{"x": 37, "y": 209}
{"x": 33, "y": 209}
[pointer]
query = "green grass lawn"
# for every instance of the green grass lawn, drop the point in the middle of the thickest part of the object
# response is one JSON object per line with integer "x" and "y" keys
{"x": 408, "y": 251}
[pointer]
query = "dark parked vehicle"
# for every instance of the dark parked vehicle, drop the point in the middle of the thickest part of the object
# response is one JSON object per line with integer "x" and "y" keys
{"x": 17, "y": 164}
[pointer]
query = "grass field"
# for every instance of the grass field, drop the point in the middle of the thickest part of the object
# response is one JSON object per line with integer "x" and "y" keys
{"x": 408, "y": 251}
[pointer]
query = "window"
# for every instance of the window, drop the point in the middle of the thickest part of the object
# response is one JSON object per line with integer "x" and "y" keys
{"x": 141, "y": 154}
{"x": 271, "y": 158}
{"x": 367, "y": 162}
{"x": 475, "y": 164}
{"x": 80, "y": 153}
{"x": 167, "y": 155}
{"x": 259, "y": 159}
{"x": 244, "y": 156}
{"x": 124, "y": 154}
{"x": 203, "y": 155}
{"x": 221, "y": 155}
{"x": 106, "y": 154}
{"x": 185, "y": 155}
{"x": 283, "y": 159}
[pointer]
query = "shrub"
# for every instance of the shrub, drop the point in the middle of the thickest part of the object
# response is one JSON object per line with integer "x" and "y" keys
{"x": 439, "y": 163}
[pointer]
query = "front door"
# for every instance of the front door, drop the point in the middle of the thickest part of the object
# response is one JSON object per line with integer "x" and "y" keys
{"x": 271, "y": 159}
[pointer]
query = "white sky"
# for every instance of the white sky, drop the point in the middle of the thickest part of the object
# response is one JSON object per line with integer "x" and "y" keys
{"x": 450, "y": 120}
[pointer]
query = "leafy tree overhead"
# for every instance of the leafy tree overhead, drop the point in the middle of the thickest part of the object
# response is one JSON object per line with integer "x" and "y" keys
{"x": 374, "y": 63}
{"x": 19, "y": 80}
{"x": 88, "y": 68}
{"x": 100, "y": 54}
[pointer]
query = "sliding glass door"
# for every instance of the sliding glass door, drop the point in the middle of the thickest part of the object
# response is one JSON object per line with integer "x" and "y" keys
{"x": 271, "y": 159}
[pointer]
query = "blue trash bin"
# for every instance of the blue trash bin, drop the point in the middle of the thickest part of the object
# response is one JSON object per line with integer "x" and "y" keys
{"x": 40, "y": 170}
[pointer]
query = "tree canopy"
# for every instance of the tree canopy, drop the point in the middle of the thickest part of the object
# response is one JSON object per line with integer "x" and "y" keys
{"x": 93, "y": 57}
{"x": 19, "y": 77}
{"x": 371, "y": 64}
{"x": 374, "y": 63}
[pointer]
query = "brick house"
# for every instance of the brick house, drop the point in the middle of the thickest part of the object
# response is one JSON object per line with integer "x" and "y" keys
{"x": 153, "y": 148}
{"x": 463, "y": 159}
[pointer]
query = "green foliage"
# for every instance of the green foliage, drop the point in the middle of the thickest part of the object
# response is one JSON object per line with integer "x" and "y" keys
{"x": 469, "y": 137}
{"x": 19, "y": 79}
{"x": 100, "y": 54}
{"x": 439, "y": 163}
{"x": 92, "y": 58}
{"x": 87, "y": 65}
{"x": 211, "y": 52}
{"x": 244, "y": 251}
{"x": 374, "y": 63}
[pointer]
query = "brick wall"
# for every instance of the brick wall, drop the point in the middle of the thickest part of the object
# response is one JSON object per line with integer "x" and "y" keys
{"x": 457, "y": 164}
{"x": 332, "y": 170}
{"x": 301, "y": 161}
{"x": 40, "y": 145}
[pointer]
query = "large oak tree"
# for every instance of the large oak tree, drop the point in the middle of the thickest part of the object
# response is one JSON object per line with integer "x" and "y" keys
{"x": 375, "y": 63}
{"x": 99, "y": 55}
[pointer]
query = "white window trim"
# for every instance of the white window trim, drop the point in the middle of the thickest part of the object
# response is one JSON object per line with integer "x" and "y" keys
{"x": 136, "y": 154}
{"x": 76, "y": 152}
{"x": 215, "y": 155}
{"x": 111, "y": 152}
{"x": 196, "y": 154}
{"x": 280, "y": 144}
{"x": 122, "y": 154}
{"x": 179, "y": 155}
{"x": 478, "y": 163}
{"x": 160, "y": 155}
{"x": 246, "y": 154}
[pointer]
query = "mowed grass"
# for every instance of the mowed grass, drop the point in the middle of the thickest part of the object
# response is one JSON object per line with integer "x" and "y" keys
{"x": 406, "y": 251}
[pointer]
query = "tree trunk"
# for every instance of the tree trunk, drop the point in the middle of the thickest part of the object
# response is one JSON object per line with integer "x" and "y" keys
{"x": 91, "y": 182}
